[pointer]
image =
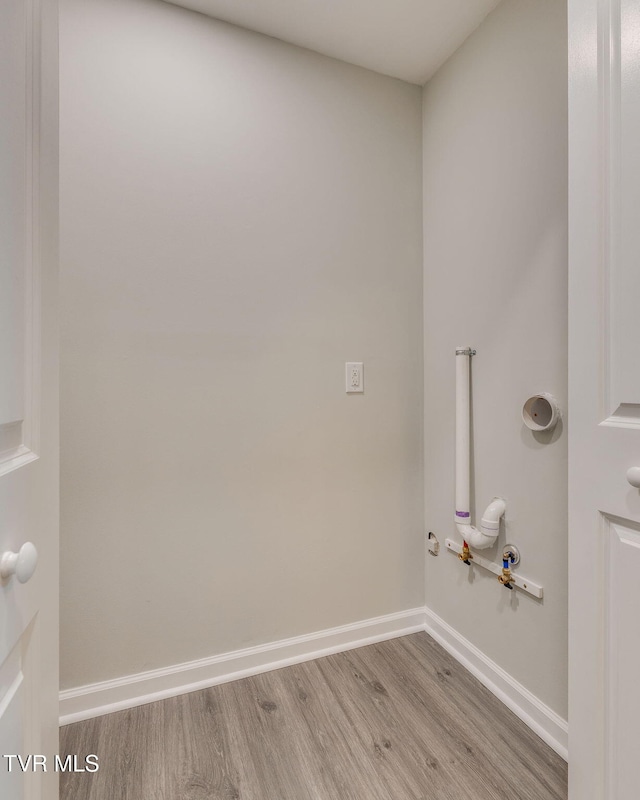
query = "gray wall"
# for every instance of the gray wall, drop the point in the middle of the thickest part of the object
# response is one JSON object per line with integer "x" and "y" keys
{"x": 495, "y": 238}
{"x": 239, "y": 217}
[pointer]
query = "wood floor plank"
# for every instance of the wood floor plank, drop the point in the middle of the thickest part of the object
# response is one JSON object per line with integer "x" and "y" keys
{"x": 197, "y": 763}
{"x": 271, "y": 739}
{"x": 399, "y": 720}
{"x": 81, "y": 739}
{"x": 450, "y": 767}
{"x": 346, "y": 759}
{"x": 435, "y": 719}
{"x": 512, "y": 747}
{"x": 407, "y": 769}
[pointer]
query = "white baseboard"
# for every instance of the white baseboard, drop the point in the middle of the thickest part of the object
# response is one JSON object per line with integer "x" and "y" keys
{"x": 549, "y": 726}
{"x": 97, "y": 699}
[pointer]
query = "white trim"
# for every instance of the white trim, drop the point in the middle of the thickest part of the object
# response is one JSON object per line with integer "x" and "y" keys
{"x": 549, "y": 726}
{"x": 97, "y": 699}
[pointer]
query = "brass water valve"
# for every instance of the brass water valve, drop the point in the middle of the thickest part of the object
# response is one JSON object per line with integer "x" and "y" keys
{"x": 465, "y": 555}
{"x": 506, "y": 578}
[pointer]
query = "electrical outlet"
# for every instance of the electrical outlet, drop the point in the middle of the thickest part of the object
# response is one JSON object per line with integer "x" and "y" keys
{"x": 355, "y": 376}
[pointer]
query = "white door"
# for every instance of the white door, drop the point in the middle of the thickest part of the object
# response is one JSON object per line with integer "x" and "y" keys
{"x": 604, "y": 375}
{"x": 28, "y": 396}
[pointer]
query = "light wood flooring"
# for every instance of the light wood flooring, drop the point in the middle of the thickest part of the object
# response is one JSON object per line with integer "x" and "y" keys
{"x": 400, "y": 720}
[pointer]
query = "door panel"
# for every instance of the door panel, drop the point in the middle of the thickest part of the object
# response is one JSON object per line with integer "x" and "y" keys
{"x": 621, "y": 107}
{"x": 13, "y": 210}
{"x": 28, "y": 390}
{"x": 604, "y": 383}
{"x": 622, "y": 658}
{"x": 12, "y": 713}
{"x": 16, "y": 224}
{"x": 20, "y": 716}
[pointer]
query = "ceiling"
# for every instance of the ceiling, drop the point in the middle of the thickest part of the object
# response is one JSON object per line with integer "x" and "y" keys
{"x": 407, "y": 39}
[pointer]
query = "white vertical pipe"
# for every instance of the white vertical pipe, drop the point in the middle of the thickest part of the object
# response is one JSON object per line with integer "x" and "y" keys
{"x": 490, "y": 524}
{"x": 463, "y": 435}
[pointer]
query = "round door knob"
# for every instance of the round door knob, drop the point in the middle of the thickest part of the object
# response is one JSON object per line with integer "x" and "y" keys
{"x": 22, "y": 564}
{"x": 633, "y": 476}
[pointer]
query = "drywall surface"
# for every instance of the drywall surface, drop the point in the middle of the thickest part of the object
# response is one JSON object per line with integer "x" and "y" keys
{"x": 495, "y": 239}
{"x": 407, "y": 39}
{"x": 240, "y": 217}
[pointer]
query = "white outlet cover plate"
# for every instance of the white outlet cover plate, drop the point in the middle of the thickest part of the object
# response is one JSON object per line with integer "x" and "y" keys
{"x": 354, "y": 375}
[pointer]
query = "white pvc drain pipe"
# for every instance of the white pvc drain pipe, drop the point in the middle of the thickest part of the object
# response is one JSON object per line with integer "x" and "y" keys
{"x": 490, "y": 523}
